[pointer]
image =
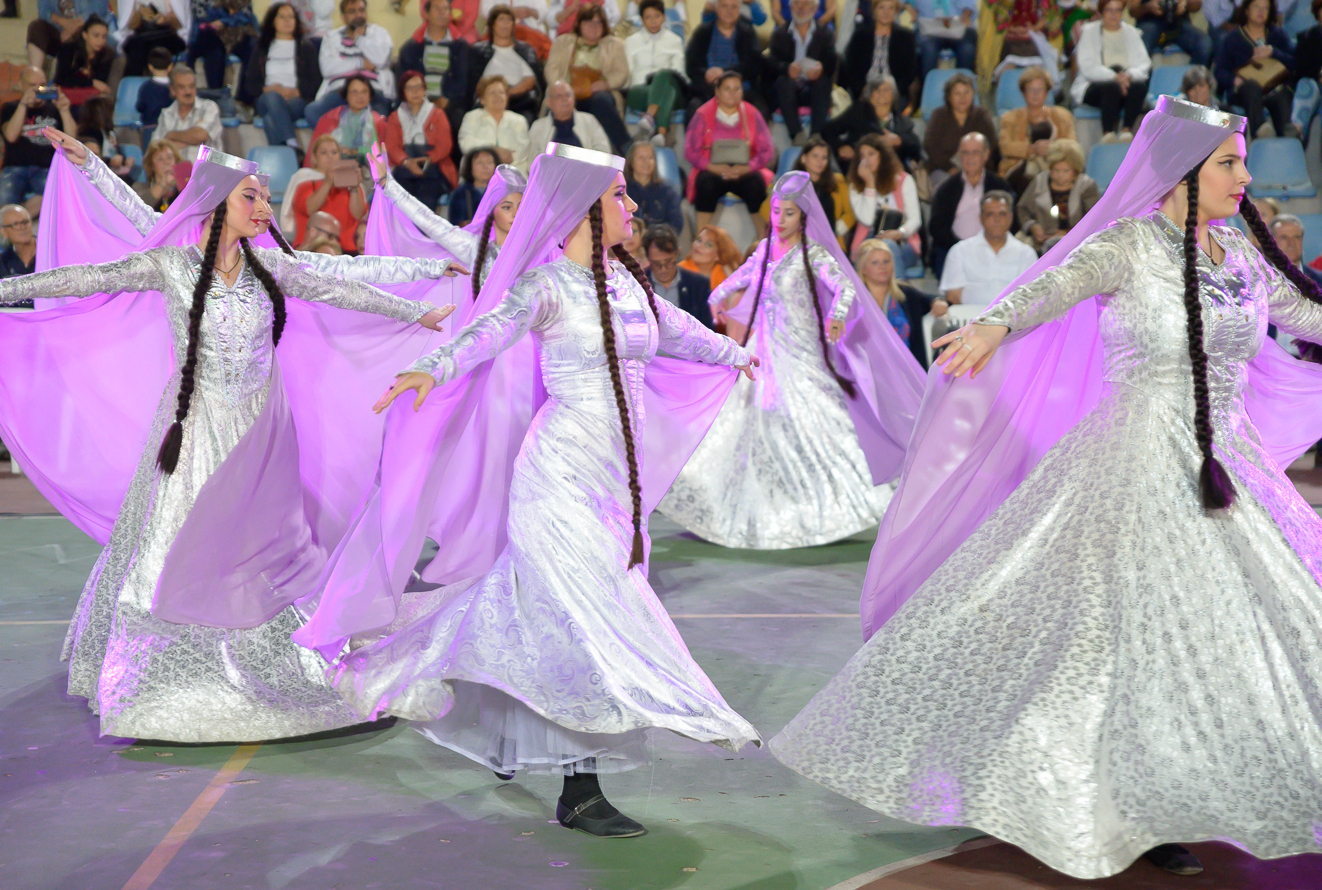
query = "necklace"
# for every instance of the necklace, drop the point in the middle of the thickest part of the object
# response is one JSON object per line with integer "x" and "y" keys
{"x": 226, "y": 272}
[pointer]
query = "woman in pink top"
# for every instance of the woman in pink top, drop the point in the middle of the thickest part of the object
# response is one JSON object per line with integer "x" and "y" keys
{"x": 713, "y": 145}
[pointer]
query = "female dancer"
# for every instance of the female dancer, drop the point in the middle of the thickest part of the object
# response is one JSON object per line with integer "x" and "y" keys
{"x": 182, "y": 631}
{"x": 1128, "y": 651}
{"x": 560, "y": 657}
{"x": 783, "y": 465}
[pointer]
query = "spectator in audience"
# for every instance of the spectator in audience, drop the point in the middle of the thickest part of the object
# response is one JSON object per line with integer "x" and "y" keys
{"x": 355, "y": 125}
{"x": 655, "y": 56}
{"x": 874, "y": 112}
{"x": 633, "y": 245}
{"x": 832, "y": 188}
{"x": 730, "y": 150}
{"x": 147, "y": 24}
{"x": 419, "y": 143}
{"x": 531, "y": 26}
{"x": 562, "y": 16}
{"x": 467, "y": 20}
{"x": 316, "y": 16}
{"x": 82, "y": 67}
{"x": 158, "y": 188}
{"x": 950, "y": 123}
{"x": 1218, "y": 13}
{"x": 562, "y": 123}
{"x": 674, "y": 10}
{"x": 676, "y": 285}
{"x": 58, "y": 22}
{"x": 1268, "y": 209}
{"x": 1027, "y": 133}
{"x": 188, "y": 121}
{"x": 514, "y": 61}
{"x": 751, "y": 11}
{"x": 1009, "y": 30}
{"x": 1308, "y": 75}
{"x": 657, "y": 200}
{"x": 342, "y": 200}
{"x": 322, "y": 227}
{"x": 884, "y": 199}
{"x": 475, "y": 172}
{"x": 1057, "y": 198}
{"x": 154, "y": 95}
{"x": 978, "y": 268}
{"x": 1113, "y": 70}
{"x": 226, "y": 28}
{"x": 782, "y": 11}
{"x": 445, "y": 61}
{"x": 592, "y": 62}
{"x": 713, "y": 254}
{"x": 1259, "y": 38}
{"x": 957, "y": 204}
{"x": 904, "y": 306}
{"x": 28, "y": 153}
{"x": 1199, "y": 86}
{"x": 801, "y": 64}
{"x": 946, "y": 24}
{"x": 727, "y": 43}
{"x": 282, "y": 76}
{"x": 1288, "y": 230}
{"x": 20, "y": 257}
{"x": 885, "y": 49}
{"x": 493, "y": 125}
{"x": 358, "y": 47}
{"x": 1171, "y": 19}
{"x": 98, "y": 119}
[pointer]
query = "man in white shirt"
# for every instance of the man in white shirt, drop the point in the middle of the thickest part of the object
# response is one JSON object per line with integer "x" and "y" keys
{"x": 656, "y": 66}
{"x": 979, "y": 268}
{"x": 562, "y": 124}
{"x": 188, "y": 121}
{"x": 357, "y": 47}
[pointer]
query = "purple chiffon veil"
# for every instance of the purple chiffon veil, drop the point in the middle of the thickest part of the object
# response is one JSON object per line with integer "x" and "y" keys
{"x": 976, "y": 440}
{"x": 446, "y": 470}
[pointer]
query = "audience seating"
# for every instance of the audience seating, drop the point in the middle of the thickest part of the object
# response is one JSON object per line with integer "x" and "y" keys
{"x": 1165, "y": 81}
{"x": 667, "y": 167}
{"x": 934, "y": 89}
{"x": 126, "y": 102}
{"x": 278, "y": 160}
{"x": 1278, "y": 169}
{"x": 787, "y": 159}
{"x": 129, "y": 150}
{"x": 1104, "y": 160}
{"x": 1008, "y": 96}
{"x": 1312, "y": 235}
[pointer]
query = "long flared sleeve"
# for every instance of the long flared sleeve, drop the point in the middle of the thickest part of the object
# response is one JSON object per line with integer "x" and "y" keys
{"x": 1291, "y": 311}
{"x": 119, "y": 193}
{"x": 829, "y": 273}
{"x": 683, "y": 336}
{"x": 305, "y": 284}
{"x": 135, "y": 272}
{"x": 739, "y": 279}
{"x": 449, "y": 236}
{"x": 1099, "y": 265}
{"x": 528, "y": 304}
{"x": 373, "y": 269}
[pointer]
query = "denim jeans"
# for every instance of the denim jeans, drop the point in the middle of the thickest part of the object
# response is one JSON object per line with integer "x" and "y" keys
{"x": 1198, "y": 44}
{"x": 965, "y": 49}
{"x": 278, "y": 115}
{"x": 17, "y": 184}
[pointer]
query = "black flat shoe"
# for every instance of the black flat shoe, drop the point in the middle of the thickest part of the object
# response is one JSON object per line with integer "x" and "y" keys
{"x": 1174, "y": 859}
{"x": 618, "y": 825}
{"x": 504, "y": 777}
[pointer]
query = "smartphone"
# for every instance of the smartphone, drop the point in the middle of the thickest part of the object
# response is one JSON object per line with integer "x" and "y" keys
{"x": 425, "y": 163}
{"x": 346, "y": 175}
{"x": 47, "y": 94}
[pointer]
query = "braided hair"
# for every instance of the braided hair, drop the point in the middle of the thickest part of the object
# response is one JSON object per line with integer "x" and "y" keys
{"x": 482, "y": 246}
{"x": 845, "y": 384}
{"x": 279, "y": 238}
{"x": 272, "y": 289}
{"x": 617, "y": 383}
{"x": 636, "y": 270}
{"x": 1214, "y": 484}
{"x": 1272, "y": 251}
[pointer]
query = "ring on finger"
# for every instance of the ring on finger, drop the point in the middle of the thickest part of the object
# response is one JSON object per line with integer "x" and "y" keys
{"x": 966, "y": 346}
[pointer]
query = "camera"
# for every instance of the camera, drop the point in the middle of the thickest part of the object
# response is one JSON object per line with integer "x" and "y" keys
{"x": 1170, "y": 11}
{"x": 47, "y": 94}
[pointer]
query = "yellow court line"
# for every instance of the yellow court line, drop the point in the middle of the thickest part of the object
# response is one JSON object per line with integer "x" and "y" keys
{"x": 765, "y": 615}
{"x": 30, "y": 623}
{"x": 151, "y": 869}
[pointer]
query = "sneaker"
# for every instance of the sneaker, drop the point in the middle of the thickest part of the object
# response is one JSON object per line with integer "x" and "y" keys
{"x": 646, "y": 125}
{"x": 1175, "y": 859}
{"x": 1125, "y": 136}
{"x": 659, "y": 140}
{"x": 800, "y": 139}
{"x": 1108, "y": 138}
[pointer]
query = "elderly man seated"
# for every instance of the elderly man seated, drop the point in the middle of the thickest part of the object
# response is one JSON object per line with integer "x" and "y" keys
{"x": 564, "y": 124}
{"x": 979, "y": 268}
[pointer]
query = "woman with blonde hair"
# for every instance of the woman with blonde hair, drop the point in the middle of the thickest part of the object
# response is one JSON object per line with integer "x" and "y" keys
{"x": 1027, "y": 132}
{"x": 903, "y": 305}
{"x": 159, "y": 187}
{"x": 713, "y": 254}
{"x": 1057, "y": 198}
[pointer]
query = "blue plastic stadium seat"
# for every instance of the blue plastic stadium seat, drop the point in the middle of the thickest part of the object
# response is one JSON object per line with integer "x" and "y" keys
{"x": 126, "y": 102}
{"x": 129, "y": 150}
{"x": 805, "y": 118}
{"x": 1278, "y": 169}
{"x": 1087, "y": 113}
{"x": 667, "y": 167}
{"x": 934, "y": 86}
{"x": 1299, "y": 20}
{"x": 1104, "y": 160}
{"x": 278, "y": 160}
{"x": 1007, "y": 92}
{"x": 230, "y": 122}
{"x": 787, "y": 159}
{"x": 1165, "y": 81}
{"x": 1312, "y": 235}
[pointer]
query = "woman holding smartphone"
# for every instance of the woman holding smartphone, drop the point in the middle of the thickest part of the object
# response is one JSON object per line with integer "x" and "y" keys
{"x": 339, "y": 192}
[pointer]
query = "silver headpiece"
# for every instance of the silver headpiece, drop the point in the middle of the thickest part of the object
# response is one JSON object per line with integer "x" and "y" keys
{"x": 587, "y": 155}
{"x": 208, "y": 155}
{"x": 515, "y": 181}
{"x": 1191, "y": 111}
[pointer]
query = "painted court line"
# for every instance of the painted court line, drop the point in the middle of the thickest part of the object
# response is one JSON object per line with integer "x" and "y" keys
{"x": 30, "y": 623}
{"x": 150, "y": 870}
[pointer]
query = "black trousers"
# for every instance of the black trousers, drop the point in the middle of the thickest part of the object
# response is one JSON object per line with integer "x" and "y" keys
{"x": 602, "y": 106}
{"x": 137, "y": 46}
{"x": 1107, "y": 97}
{"x": 709, "y": 188}
{"x": 208, "y": 47}
{"x": 790, "y": 95}
{"x": 427, "y": 188}
{"x": 1277, "y": 103}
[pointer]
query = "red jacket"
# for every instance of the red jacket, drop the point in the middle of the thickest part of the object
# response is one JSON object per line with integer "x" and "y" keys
{"x": 437, "y": 131}
{"x": 331, "y": 119}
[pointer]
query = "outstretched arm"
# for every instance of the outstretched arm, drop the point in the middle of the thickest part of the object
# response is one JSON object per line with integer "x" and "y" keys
{"x": 683, "y": 336}
{"x": 115, "y": 190}
{"x": 461, "y": 244}
{"x": 739, "y": 280}
{"x": 377, "y": 269}
{"x": 135, "y": 272}
{"x": 299, "y": 281}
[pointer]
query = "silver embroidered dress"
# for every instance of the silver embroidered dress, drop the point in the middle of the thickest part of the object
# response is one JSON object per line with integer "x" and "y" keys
{"x": 1103, "y": 666}
{"x": 559, "y": 653}
{"x": 456, "y": 240}
{"x": 150, "y": 678}
{"x": 782, "y": 466}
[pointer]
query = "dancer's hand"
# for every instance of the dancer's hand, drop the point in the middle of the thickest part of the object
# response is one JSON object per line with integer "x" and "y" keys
{"x": 379, "y": 163}
{"x": 834, "y": 328}
{"x": 747, "y": 370}
{"x": 423, "y": 383}
{"x": 455, "y": 269}
{"x": 75, "y": 150}
{"x": 434, "y": 318}
{"x": 971, "y": 347}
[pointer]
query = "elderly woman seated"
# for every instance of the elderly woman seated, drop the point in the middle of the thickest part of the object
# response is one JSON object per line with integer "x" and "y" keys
{"x": 1057, "y": 198}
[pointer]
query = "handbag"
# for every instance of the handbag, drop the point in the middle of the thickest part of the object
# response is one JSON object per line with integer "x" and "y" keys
{"x": 581, "y": 78}
{"x": 1268, "y": 73}
{"x": 730, "y": 151}
{"x": 886, "y": 220}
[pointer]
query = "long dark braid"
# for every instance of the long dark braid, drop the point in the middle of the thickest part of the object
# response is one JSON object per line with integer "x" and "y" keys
{"x": 1272, "y": 251}
{"x": 279, "y": 238}
{"x": 482, "y": 245}
{"x": 757, "y": 294}
{"x": 636, "y": 270}
{"x": 168, "y": 457}
{"x": 1214, "y": 484}
{"x": 617, "y": 383}
{"x": 846, "y": 385}
{"x": 272, "y": 289}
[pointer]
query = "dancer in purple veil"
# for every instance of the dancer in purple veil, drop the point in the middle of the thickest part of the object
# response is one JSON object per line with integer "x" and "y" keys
{"x": 182, "y": 631}
{"x": 1120, "y": 644}
{"x": 802, "y": 455}
{"x": 558, "y": 658}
